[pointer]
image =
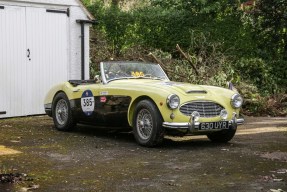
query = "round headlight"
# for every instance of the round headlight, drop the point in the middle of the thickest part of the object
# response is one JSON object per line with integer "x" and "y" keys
{"x": 173, "y": 101}
{"x": 236, "y": 101}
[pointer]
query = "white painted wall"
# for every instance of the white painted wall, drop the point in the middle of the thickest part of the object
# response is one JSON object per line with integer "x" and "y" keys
{"x": 75, "y": 45}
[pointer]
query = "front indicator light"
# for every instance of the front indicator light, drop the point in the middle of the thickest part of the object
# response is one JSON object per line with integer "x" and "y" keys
{"x": 223, "y": 114}
{"x": 172, "y": 116}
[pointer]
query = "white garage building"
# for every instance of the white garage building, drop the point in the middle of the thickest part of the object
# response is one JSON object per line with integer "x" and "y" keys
{"x": 42, "y": 43}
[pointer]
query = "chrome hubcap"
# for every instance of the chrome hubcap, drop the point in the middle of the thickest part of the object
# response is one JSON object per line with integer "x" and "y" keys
{"x": 62, "y": 112}
{"x": 144, "y": 124}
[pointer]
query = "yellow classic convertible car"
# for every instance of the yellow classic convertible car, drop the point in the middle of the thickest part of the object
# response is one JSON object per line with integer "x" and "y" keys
{"x": 141, "y": 97}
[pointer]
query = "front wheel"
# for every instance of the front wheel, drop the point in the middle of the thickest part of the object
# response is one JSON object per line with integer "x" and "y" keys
{"x": 62, "y": 114}
{"x": 222, "y": 136}
{"x": 147, "y": 124}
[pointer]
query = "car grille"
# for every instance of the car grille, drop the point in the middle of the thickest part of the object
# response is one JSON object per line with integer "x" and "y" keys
{"x": 205, "y": 108}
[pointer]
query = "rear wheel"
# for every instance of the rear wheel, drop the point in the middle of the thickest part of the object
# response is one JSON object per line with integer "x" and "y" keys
{"x": 222, "y": 136}
{"x": 62, "y": 114}
{"x": 147, "y": 124}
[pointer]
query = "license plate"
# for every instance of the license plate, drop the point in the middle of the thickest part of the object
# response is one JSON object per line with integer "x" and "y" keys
{"x": 213, "y": 125}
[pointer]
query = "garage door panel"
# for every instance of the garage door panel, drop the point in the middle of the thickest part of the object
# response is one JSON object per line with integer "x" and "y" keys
{"x": 24, "y": 81}
{"x": 47, "y": 40}
{"x": 12, "y": 61}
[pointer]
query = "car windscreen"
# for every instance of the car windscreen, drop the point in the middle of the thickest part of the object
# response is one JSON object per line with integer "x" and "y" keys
{"x": 132, "y": 70}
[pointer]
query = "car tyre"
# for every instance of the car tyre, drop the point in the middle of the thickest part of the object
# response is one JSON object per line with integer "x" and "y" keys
{"x": 62, "y": 114}
{"x": 147, "y": 124}
{"x": 222, "y": 136}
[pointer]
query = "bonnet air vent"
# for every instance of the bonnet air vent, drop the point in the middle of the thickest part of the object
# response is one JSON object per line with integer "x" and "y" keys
{"x": 197, "y": 91}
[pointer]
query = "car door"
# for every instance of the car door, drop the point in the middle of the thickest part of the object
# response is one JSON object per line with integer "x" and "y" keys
{"x": 111, "y": 108}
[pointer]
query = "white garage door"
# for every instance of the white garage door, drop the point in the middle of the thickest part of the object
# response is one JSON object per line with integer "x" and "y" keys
{"x": 12, "y": 61}
{"x": 33, "y": 57}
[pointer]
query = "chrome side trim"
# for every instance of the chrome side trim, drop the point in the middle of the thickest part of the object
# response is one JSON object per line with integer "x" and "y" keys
{"x": 176, "y": 125}
{"x": 48, "y": 106}
{"x": 48, "y": 109}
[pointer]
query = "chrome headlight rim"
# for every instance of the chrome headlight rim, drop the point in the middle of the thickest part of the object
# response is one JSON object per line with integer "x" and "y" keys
{"x": 236, "y": 98}
{"x": 170, "y": 99}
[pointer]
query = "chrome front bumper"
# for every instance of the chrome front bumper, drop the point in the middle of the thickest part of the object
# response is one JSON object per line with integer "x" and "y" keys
{"x": 194, "y": 125}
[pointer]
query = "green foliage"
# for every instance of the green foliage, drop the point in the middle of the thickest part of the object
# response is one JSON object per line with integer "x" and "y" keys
{"x": 115, "y": 24}
{"x": 279, "y": 74}
{"x": 167, "y": 23}
{"x": 269, "y": 22}
{"x": 254, "y": 69}
{"x": 162, "y": 29}
{"x": 117, "y": 31}
{"x": 197, "y": 6}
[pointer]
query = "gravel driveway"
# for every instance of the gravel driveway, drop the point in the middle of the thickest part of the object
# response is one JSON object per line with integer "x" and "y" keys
{"x": 88, "y": 159}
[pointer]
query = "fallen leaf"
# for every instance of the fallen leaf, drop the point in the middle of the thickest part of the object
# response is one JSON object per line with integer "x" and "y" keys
{"x": 277, "y": 180}
{"x": 276, "y": 190}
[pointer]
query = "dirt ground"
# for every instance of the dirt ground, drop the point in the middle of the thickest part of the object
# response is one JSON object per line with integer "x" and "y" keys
{"x": 90, "y": 159}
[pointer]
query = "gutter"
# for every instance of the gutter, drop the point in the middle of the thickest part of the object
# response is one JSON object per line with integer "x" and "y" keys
{"x": 82, "y": 23}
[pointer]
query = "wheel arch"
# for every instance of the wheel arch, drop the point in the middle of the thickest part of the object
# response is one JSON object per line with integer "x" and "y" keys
{"x": 58, "y": 92}
{"x": 63, "y": 87}
{"x": 133, "y": 105}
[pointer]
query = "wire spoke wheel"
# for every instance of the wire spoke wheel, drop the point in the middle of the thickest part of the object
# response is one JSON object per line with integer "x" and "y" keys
{"x": 144, "y": 124}
{"x": 147, "y": 124}
{"x": 62, "y": 112}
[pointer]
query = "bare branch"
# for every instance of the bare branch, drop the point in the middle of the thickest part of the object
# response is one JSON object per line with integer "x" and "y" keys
{"x": 142, "y": 59}
{"x": 158, "y": 61}
{"x": 164, "y": 67}
{"x": 187, "y": 58}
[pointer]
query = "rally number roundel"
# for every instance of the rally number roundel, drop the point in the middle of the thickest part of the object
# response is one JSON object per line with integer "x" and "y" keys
{"x": 88, "y": 102}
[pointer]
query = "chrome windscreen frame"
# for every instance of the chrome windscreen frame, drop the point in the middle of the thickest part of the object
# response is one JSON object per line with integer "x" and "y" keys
{"x": 104, "y": 80}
